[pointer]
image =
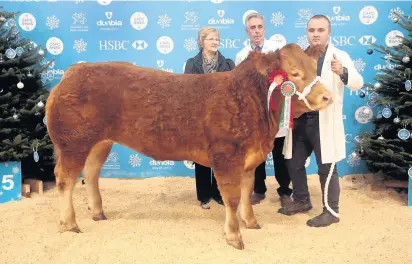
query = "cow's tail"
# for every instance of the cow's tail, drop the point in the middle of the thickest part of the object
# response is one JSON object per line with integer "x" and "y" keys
{"x": 50, "y": 113}
{"x": 56, "y": 153}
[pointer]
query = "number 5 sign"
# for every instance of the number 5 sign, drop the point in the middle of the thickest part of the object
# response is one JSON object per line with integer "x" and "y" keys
{"x": 10, "y": 181}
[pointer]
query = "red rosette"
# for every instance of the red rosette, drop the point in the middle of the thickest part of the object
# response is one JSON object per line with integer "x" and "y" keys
{"x": 279, "y": 76}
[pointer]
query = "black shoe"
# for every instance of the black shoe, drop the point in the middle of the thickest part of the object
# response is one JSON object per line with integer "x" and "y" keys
{"x": 205, "y": 204}
{"x": 295, "y": 207}
{"x": 322, "y": 220}
{"x": 285, "y": 200}
{"x": 257, "y": 197}
{"x": 219, "y": 201}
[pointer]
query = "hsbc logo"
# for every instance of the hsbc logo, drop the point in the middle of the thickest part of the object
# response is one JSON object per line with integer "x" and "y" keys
{"x": 356, "y": 93}
{"x": 367, "y": 40}
{"x": 113, "y": 45}
{"x": 349, "y": 138}
{"x": 140, "y": 44}
{"x": 230, "y": 44}
{"x": 340, "y": 41}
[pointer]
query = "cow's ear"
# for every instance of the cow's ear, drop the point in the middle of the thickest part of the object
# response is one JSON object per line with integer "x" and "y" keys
{"x": 267, "y": 62}
{"x": 315, "y": 52}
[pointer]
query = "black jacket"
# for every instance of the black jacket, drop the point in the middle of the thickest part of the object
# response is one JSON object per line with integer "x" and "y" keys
{"x": 194, "y": 65}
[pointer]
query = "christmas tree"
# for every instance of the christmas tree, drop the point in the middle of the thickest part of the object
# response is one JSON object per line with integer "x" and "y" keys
{"x": 23, "y": 133}
{"x": 388, "y": 149}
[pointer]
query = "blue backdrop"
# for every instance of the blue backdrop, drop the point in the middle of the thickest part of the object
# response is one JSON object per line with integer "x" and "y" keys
{"x": 162, "y": 35}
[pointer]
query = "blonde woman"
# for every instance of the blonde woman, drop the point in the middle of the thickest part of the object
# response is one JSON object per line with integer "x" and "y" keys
{"x": 208, "y": 60}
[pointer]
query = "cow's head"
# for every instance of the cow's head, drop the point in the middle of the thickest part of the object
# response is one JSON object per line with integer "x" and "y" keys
{"x": 301, "y": 69}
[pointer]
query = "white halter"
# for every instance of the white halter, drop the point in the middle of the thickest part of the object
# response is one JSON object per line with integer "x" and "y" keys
{"x": 301, "y": 95}
{"x": 306, "y": 91}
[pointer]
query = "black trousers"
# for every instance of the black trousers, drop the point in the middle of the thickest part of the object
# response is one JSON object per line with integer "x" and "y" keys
{"x": 206, "y": 185}
{"x": 305, "y": 141}
{"x": 281, "y": 171}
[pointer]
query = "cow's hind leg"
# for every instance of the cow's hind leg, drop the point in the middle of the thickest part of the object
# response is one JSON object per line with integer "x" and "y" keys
{"x": 94, "y": 162}
{"x": 228, "y": 170}
{"x": 67, "y": 169}
{"x": 246, "y": 210}
{"x": 230, "y": 191}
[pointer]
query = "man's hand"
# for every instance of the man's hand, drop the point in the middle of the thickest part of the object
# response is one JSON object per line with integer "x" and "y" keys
{"x": 336, "y": 65}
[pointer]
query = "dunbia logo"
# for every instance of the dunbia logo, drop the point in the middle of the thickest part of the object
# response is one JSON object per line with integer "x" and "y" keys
{"x": 338, "y": 18}
{"x": 161, "y": 164}
{"x": 161, "y": 64}
{"x": 221, "y": 21}
{"x": 51, "y": 73}
{"x": 109, "y": 23}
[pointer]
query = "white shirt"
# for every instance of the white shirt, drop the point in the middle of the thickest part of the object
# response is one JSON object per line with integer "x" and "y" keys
{"x": 268, "y": 45}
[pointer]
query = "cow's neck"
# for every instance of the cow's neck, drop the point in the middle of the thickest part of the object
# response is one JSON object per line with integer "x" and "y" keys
{"x": 257, "y": 85}
{"x": 275, "y": 114}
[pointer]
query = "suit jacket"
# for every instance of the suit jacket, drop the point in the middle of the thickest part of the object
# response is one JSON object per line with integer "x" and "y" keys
{"x": 194, "y": 65}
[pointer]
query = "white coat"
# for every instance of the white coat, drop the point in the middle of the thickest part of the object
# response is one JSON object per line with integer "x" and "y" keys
{"x": 331, "y": 129}
{"x": 268, "y": 45}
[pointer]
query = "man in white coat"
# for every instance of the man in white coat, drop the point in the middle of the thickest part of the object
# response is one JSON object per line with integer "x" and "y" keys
{"x": 255, "y": 28}
{"x": 322, "y": 132}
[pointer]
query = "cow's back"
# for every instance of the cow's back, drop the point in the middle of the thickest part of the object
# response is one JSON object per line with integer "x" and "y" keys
{"x": 151, "y": 111}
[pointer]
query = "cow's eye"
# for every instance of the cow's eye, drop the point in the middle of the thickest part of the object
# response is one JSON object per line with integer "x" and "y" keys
{"x": 295, "y": 74}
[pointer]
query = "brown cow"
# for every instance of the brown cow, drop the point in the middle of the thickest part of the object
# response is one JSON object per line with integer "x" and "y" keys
{"x": 157, "y": 114}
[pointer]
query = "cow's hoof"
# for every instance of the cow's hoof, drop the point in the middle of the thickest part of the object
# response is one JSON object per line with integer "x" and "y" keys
{"x": 75, "y": 230}
{"x": 251, "y": 226}
{"x": 238, "y": 244}
{"x": 65, "y": 228}
{"x": 99, "y": 217}
{"x": 257, "y": 226}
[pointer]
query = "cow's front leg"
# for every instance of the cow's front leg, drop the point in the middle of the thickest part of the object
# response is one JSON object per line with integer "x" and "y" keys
{"x": 228, "y": 167}
{"x": 246, "y": 211}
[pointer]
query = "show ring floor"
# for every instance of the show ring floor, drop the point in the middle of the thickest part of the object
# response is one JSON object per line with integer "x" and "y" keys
{"x": 159, "y": 220}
